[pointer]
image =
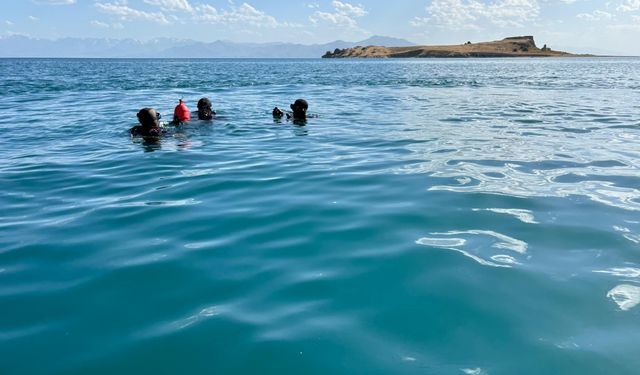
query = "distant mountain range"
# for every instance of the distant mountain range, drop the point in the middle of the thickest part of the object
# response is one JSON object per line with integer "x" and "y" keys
{"x": 22, "y": 46}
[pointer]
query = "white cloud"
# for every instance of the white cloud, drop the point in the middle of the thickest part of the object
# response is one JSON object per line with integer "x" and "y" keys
{"x": 334, "y": 18}
{"x": 11, "y": 33}
{"x": 344, "y": 15}
{"x": 349, "y": 9}
{"x": 8, "y": 23}
{"x": 55, "y": 2}
{"x": 34, "y": 19}
{"x": 244, "y": 14}
{"x": 121, "y": 10}
{"x": 625, "y": 27}
{"x": 104, "y": 25}
{"x": 99, "y": 24}
{"x": 512, "y": 12}
{"x": 171, "y": 4}
{"x": 629, "y": 5}
{"x": 208, "y": 13}
{"x": 466, "y": 14}
{"x": 597, "y": 15}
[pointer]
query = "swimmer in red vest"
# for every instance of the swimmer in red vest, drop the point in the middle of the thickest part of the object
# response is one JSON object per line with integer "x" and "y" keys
{"x": 181, "y": 113}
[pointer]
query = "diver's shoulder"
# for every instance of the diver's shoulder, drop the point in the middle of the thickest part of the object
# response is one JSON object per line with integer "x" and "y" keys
{"x": 140, "y": 131}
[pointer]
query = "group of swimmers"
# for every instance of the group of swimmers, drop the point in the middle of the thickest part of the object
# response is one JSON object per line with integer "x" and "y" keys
{"x": 150, "y": 125}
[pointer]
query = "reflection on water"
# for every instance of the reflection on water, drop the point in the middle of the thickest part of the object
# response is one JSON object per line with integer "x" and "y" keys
{"x": 625, "y": 296}
{"x": 475, "y": 246}
{"x": 523, "y": 215}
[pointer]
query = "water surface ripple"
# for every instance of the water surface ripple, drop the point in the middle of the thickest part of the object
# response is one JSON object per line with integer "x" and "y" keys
{"x": 439, "y": 217}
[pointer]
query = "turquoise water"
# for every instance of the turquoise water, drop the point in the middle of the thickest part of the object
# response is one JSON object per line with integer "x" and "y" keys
{"x": 438, "y": 217}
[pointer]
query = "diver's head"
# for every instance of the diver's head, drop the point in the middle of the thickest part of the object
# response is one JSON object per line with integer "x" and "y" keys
{"x": 149, "y": 117}
{"x": 204, "y": 109}
{"x": 204, "y": 103}
{"x": 299, "y": 108}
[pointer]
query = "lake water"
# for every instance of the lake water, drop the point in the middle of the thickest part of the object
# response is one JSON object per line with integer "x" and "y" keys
{"x": 438, "y": 217}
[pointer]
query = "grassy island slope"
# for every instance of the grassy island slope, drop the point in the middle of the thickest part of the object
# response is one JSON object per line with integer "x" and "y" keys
{"x": 519, "y": 46}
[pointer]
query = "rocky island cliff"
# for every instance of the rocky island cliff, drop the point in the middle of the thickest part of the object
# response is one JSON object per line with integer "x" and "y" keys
{"x": 518, "y": 46}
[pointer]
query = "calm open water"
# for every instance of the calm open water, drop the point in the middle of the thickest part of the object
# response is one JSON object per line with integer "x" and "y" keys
{"x": 439, "y": 217}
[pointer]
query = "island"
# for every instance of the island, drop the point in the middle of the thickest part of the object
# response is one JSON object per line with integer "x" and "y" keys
{"x": 517, "y": 46}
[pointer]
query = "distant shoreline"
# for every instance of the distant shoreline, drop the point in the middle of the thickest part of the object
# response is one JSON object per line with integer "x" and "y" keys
{"x": 308, "y": 58}
{"x": 519, "y": 46}
{"x": 569, "y": 55}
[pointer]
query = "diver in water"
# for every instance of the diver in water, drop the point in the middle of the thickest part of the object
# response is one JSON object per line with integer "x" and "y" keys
{"x": 149, "y": 126}
{"x": 299, "y": 108}
{"x": 204, "y": 110}
{"x": 181, "y": 113}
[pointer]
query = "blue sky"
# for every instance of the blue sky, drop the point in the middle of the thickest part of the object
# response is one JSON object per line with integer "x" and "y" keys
{"x": 578, "y": 25}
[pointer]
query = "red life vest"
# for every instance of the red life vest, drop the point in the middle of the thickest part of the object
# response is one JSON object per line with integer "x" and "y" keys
{"x": 181, "y": 112}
